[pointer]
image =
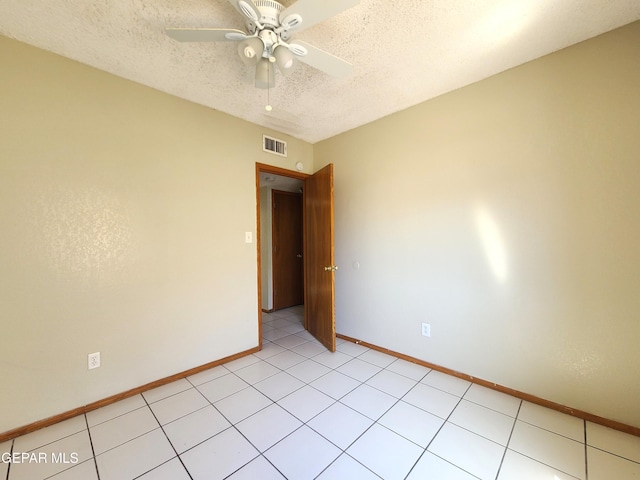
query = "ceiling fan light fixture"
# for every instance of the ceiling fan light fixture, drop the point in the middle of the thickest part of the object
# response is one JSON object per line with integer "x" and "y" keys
{"x": 284, "y": 59}
{"x": 250, "y": 50}
{"x": 265, "y": 74}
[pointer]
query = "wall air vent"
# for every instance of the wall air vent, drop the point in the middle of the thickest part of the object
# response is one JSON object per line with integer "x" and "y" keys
{"x": 273, "y": 145}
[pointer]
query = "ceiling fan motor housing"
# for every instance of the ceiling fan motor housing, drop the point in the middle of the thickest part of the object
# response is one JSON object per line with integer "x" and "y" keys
{"x": 269, "y": 21}
{"x": 269, "y": 14}
{"x": 270, "y": 40}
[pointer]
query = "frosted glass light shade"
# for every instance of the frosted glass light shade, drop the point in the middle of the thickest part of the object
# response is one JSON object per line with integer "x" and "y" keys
{"x": 250, "y": 50}
{"x": 265, "y": 74}
{"x": 284, "y": 59}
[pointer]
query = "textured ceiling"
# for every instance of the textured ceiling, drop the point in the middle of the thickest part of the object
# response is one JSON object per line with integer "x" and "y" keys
{"x": 404, "y": 52}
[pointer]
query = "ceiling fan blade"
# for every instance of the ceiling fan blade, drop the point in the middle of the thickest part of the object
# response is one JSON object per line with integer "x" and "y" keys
{"x": 247, "y": 8}
{"x": 321, "y": 60}
{"x": 305, "y": 13}
{"x": 205, "y": 34}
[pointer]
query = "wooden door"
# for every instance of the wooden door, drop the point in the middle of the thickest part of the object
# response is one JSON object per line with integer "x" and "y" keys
{"x": 320, "y": 318}
{"x": 288, "y": 268}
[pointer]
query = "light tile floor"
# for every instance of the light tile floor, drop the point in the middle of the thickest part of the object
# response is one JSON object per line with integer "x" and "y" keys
{"x": 295, "y": 411}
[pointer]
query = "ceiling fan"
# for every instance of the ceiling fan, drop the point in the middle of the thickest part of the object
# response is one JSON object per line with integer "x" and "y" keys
{"x": 265, "y": 43}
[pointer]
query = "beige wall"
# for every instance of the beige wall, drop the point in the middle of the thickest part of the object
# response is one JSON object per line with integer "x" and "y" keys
{"x": 266, "y": 245}
{"x": 507, "y": 215}
{"x": 123, "y": 212}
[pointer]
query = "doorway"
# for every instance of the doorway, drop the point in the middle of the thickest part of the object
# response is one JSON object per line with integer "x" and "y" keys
{"x": 286, "y": 250}
{"x": 281, "y": 249}
{"x": 318, "y": 248}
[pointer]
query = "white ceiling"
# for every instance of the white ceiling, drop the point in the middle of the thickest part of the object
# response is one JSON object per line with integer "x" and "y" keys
{"x": 404, "y": 52}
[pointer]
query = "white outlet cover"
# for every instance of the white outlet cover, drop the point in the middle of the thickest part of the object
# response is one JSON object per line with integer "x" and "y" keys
{"x": 426, "y": 330}
{"x": 93, "y": 360}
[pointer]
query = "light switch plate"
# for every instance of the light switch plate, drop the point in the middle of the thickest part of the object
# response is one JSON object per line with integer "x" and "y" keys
{"x": 248, "y": 237}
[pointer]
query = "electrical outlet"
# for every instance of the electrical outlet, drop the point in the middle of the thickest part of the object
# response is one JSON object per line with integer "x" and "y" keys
{"x": 93, "y": 360}
{"x": 426, "y": 329}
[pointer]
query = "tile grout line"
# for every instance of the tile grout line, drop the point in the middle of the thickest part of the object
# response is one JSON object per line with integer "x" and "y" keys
{"x": 332, "y": 369}
{"x": 506, "y": 447}
{"x": 397, "y": 401}
{"x": 375, "y": 422}
{"x": 344, "y": 452}
{"x": 93, "y": 451}
{"x": 168, "y": 440}
{"x": 260, "y": 454}
{"x": 11, "y": 452}
{"x": 537, "y": 460}
{"x": 360, "y": 383}
{"x": 232, "y": 425}
{"x": 334, "y": 401}
{"x": 620, "y": 456}
{"x": 586, "y": 452}
{"x": 539, "y": 427}
{"x": 438, "y": 432}
{"x": 386, "y": 411}
{"x": 305, "y": 424}
{"x": 112, "y": 418}
{"x": 194, "y": 387}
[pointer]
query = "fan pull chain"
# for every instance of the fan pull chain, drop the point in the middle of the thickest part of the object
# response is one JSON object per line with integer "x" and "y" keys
{"x": 268, "y": 107}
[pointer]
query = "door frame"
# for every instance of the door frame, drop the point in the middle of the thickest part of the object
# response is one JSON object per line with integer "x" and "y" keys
{"x": 264, "y": 168}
